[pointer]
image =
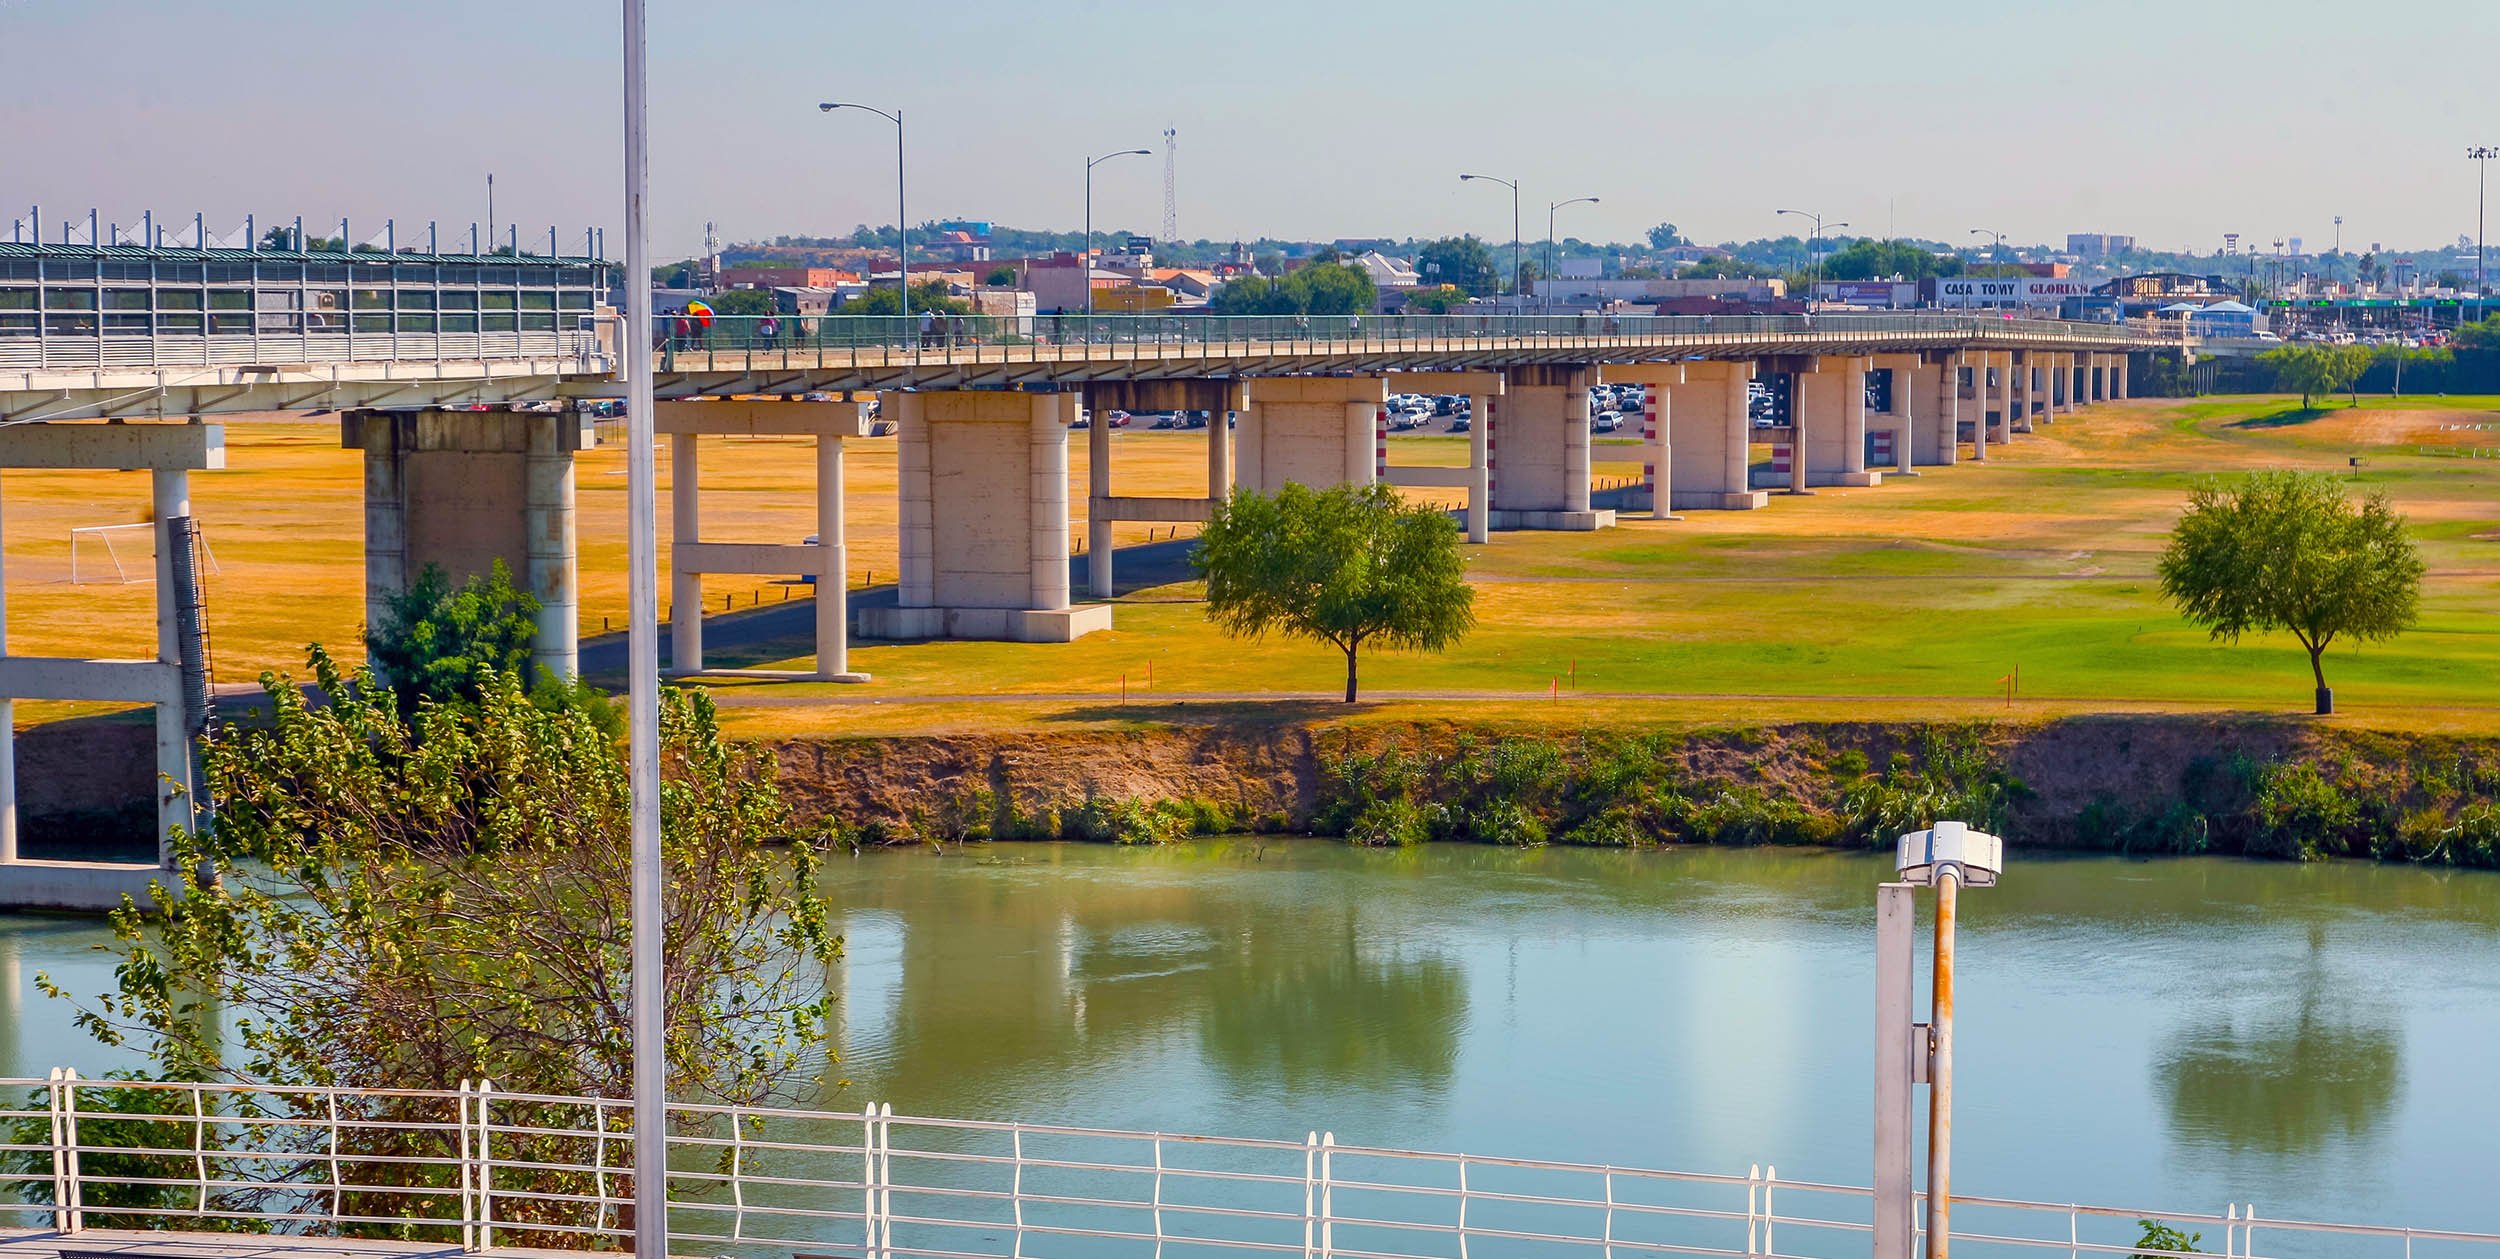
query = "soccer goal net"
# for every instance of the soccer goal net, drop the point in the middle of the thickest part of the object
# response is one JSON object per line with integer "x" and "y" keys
{"x": 123, "y": 554}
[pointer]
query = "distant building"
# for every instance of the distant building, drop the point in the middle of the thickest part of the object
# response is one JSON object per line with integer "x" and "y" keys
{"x": 2097, "y": 244}
{"x": 1386, "y": 272}
{"x": 2216, "y": 319}
{"x": 753, "y": 277}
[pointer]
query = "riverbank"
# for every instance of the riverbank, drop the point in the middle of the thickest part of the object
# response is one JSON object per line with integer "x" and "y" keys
{"x": 2284, "y": 787}
{"x": 2138, "y": 783}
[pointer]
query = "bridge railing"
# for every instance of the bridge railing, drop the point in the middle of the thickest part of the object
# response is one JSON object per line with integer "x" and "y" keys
{"x": 109, "y": 351}
{"x": 479, "y": 1168}
{"x": 833, "y": 340}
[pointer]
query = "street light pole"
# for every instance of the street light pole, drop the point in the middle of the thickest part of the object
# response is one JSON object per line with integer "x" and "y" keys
{"x": 2481, "y": 155}
{"x": 902, "y": 220}
{"x": 1996, "y": 240}
{"x": 1549, "y": 245}
{"x": 642, "y": 703}
{"x": 1947, "y": 857}
{"x": 1814, "y": 247}
{"x": 1513, "y": 185}
{"x": 1087, "y": 261}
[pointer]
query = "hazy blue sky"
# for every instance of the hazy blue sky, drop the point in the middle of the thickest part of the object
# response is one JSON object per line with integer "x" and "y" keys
{"x": 2174, "y": 120}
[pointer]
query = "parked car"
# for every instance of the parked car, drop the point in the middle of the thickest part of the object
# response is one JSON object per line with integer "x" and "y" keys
{"x": 1461, "y": 424}
{"x": 1606, "y": 421}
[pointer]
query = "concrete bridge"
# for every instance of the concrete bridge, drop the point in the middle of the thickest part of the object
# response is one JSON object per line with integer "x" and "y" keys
{"x": 469, "y": 425}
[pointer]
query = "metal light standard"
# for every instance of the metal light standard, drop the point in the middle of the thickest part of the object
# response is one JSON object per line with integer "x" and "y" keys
{"x": 1948, "y": 857}
{"x": 2481, "y": 155}
{"x": 1814, "y": 246}
{"x": 642, "y": 703}
{"x": 1088, "y": 260}
{"x": 1549, "y": 244}
{"x": 1513, "y": 185}
{"x": 902, "y": 222}
{"x": 1996, "y": 240}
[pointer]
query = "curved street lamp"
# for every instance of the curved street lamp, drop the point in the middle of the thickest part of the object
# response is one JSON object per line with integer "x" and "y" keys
{"x": 1086, "y": 263}
{"x": 1549, "y": 244}
{"x": 902, "y": 223}
{"x": 1996, "y": 239}
{"x": 1513, "y": 185}
{"x": 1815, "y": 245}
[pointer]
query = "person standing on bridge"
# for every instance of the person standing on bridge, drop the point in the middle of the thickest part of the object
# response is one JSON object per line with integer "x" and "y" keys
{"x": 928, "y": 324}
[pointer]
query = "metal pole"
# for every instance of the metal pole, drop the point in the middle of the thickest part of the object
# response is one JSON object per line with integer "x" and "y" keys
{"x": 643, "y": 662}
{"x": 902, "y": 233}
{"x": 1940, "y": 1072}
{"x": 1085, "y": 256}
{"x": 1896, "y": 915}
{"x": 1514, "y": 246}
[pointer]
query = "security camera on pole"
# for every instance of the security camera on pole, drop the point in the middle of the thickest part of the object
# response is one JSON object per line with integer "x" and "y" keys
{"x": 1947, "y": 857}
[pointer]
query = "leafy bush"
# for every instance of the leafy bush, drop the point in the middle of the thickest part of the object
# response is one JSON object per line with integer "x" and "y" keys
{"x": 2161, "y": 1240}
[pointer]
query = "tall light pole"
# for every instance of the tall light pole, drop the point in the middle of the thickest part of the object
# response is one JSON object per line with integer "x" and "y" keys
{"x": 1996, "y": 240}
{"x": 1549, "y": 245}
{"x": 1513, "y": 185}
{"x": 1948, "y": 857}
{"x": 902, "y": 222}
{"x": 2481, "y": 155}
{"x": 1814, "y": 246}
{"x": 642, "y": 632}
{"x": 1087, "y": 262}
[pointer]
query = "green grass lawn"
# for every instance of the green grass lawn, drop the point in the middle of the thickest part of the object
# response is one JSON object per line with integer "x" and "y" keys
{"x": 1926, "y": 589}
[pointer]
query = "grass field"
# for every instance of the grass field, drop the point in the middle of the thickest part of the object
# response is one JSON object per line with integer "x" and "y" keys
{"x": 1913, "y": 598}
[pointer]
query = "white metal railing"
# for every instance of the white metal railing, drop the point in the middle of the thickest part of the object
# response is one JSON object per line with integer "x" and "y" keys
{"x": 480, "y": 1168}
{"x": 260, "y": 349}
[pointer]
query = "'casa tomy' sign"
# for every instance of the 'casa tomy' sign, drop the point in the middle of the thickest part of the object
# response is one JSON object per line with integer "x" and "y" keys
{"x": 2025, "y": 290}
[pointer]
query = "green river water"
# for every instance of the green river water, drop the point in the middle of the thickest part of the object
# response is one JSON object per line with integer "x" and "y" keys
{"x": 2318, "y": 1040}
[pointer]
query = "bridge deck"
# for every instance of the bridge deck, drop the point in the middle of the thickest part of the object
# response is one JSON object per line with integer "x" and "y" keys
{"x": 95, "y": 1243}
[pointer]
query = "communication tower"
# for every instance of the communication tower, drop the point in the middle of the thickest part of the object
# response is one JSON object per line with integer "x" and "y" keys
{"x": 1171, "y": 206}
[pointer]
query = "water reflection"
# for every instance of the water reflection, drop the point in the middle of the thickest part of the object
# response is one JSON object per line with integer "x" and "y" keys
{"x": 1021, "y": 966}
{"x": 2316, "y": 1068}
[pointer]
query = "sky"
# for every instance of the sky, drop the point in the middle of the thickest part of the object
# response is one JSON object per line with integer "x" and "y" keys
{"x": 2174, "y": 121}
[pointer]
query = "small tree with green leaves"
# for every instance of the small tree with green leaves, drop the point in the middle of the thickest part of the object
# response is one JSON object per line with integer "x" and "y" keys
{"x": 2288, "y": 551}
{"x": 405, "y": 901}
{"x": 2159, "y": 1240}
{"x": 1347, "y": 566}
{"x": 2314, "y": 370}
{"x": 434, "y": 638}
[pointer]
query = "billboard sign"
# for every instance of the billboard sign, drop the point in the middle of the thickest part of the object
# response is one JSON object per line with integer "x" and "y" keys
{"x": 2017, "y": 290}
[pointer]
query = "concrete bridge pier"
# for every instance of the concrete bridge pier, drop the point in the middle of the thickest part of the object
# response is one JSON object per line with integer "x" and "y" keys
{"x": 462, "y": 489}
{"x": 1936, "y": 392}
{"x": 1993, "y": 376}
{"x": 1316, "y": 430}
{"x": 1700, "y": 431}
{"x": 170, "y": 453}
{"x": 1830, "y": 415}
{"x": 1218, "y": 398}
{"x": 1907, "y": 403}
{"x": 1476, "y": 478}
{"x": 2095, "y": 384}
{"x": 826, "y": 559}
{"x": 2119, "y": 366}
{"x": 984, "y": 525}
{"x": 1540, "y": 473}
{"x": 2026, "y": 389}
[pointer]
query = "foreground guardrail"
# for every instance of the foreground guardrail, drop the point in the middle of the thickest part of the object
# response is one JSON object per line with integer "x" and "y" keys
{"x": 480, "y": 1168}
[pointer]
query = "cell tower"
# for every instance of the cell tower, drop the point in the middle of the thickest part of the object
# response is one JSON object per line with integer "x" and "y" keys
{"x": 711, "y": 256}
{"x": 1171, "y": 207}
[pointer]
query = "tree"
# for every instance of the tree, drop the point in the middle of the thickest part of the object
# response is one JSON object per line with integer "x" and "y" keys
{"x": 278, "y": 238}
{"x": 434, "y": 640}
{"x": 1463, "y": 261}
{"x": 2287, "y": 551}
{"x": 1869, "y": 259}
{"x": 2310, "y": 370}
{"x": 1437, "y": 301}
{"x": 1664, "y": 236}
{"x": 1334, "y": 288}
{"x": 1729, "y": 268}
{"x": 1000, "y": 277}
{"x": 1345, "y": 566}
{"x": 394, "y": 901}
{"x": 743, "y": 302}
{"x": 928, "y": 295}
{"x": 2159, "y": 1241}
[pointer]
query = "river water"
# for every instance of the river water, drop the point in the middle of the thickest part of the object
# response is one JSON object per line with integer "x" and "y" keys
{"x": 2318, "y": 1040}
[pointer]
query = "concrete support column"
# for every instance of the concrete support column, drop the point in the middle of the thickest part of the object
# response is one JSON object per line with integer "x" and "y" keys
{"x": 1942, "y": 379}
{"x": 1098, "y": 525}
{"x": 1991, "y": 389}
{"x": 2020, "y": 417}
{"x": 547, "y": 521}
{"x": 2119, "y": 364}
{"x": 1657, "y": 403}
{"x": 1736, "y": 429}
{"x": 386, "y": 516}
{"x": 1480, "y": 468}
{"x": 833, "y": 567}
{"x": 1830, "y": 417}
{"x": 1246, "y": 444}
{"x": 916, "y": 499}
{"x": 1576, "y": 439}
{"x": 1220, "y": 454}
{"x": 174, "y": 780}
{"x": 1049, "y": 461}
{"x": 1908, "y": 402}
{"x": 1362, "y": 443}
{"x": 2098, "y": 384}
{"x": 685, "y": 526}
